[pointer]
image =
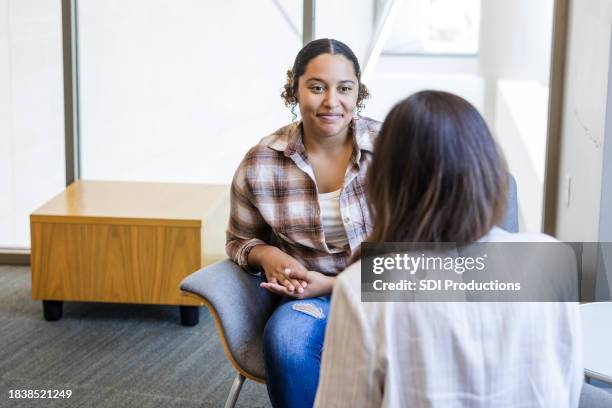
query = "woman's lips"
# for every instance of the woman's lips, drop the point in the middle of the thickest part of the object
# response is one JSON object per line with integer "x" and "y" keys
{"x": 329, "y": 117}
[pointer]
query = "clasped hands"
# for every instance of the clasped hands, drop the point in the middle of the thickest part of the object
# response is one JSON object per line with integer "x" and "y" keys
{"x": 287, "y": 277}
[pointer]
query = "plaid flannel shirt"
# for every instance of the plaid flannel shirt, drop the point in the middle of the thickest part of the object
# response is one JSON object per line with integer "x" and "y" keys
{"x": 274, "y": 200}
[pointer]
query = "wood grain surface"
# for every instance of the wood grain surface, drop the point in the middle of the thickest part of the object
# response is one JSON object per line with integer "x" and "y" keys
{"x": 120, "y": 241}
{"x": 133, "y": 203}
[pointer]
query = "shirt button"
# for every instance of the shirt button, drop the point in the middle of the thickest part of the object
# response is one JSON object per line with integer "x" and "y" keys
{"x": 347, "y": 219}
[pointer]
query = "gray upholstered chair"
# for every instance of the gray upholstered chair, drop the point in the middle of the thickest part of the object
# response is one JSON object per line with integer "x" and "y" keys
{"x": 241, "y": 308}
{"x": 592, "y": 397}
{"x": 510, "y": 221}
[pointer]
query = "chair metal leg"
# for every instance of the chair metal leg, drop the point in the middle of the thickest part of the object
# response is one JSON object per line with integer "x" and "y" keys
{"x": 234, "y": 391}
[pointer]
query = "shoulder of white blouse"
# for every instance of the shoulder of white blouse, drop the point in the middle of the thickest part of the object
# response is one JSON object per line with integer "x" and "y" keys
{"x": 350, "y": 281}
{"x": 498, "y": 234}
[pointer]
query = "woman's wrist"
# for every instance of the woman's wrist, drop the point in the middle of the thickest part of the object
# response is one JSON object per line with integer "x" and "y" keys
{"x": 258, "y": 254}
{"x": 331, "y": 281}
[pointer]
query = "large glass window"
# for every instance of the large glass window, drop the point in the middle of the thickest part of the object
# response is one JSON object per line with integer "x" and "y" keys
{"x": 178, "y": 91}
{"x": 435, "y": 27}
{"x": 31, "y": 114}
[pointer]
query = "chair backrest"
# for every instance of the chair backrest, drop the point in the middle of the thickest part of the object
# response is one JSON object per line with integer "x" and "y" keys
{"x": 510, "y": 221}
{"x": 592, "y": 397}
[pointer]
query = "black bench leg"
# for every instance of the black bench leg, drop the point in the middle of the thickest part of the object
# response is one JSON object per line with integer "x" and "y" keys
{"x": 52, "y": 309}
{"x": 190, "y": 315}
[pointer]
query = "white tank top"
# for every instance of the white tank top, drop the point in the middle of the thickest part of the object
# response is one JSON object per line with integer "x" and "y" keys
{"x": 335, "y": 234}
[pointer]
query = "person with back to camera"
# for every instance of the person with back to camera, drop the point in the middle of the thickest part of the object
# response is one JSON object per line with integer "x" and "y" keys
{"x": 298, "y": 205}
{"x": 437, "y": 176}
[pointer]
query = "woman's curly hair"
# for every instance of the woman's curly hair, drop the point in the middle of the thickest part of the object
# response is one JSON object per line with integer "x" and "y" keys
{"x": 314, "y": 49}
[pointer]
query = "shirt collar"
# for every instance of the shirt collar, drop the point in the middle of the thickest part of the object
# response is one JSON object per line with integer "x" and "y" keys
{"x": 295, "y": 144}
{"x": 363, "y": 134}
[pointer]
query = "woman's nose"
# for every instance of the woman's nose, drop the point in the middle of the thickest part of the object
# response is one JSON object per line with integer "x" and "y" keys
{"x": 331, "y": 98}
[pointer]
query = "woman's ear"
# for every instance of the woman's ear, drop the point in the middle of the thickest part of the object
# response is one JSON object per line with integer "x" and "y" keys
{"x": 364, "y": 93}
{"x": 294, "y": 93}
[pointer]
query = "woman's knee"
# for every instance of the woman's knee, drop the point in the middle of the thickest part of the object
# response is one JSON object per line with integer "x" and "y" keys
{"x": 294, "y": 333}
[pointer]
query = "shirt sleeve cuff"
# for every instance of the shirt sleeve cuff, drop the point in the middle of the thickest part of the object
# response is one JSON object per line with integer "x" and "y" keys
{"x": 242, "y": 255}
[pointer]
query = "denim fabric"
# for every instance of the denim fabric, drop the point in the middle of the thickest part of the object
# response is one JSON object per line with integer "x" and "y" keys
{"x": 293, "y": 342}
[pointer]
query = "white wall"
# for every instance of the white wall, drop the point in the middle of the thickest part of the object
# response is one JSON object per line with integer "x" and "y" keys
{"x": 604, "y": 276}
{"x": 605, "y": 210}
{"x": 580, "y": 215}
{"x": 584, "y": 116}
{"x": 31, "y": 113}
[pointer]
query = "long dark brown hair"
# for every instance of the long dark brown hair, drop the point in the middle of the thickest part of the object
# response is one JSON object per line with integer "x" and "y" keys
{"x": 436, "y": 174}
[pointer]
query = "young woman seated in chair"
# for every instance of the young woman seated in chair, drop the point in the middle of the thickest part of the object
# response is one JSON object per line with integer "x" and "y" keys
{"x": 298, "y": 204}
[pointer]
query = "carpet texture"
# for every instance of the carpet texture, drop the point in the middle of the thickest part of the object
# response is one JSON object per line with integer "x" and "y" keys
{"x": 111, "y": 355}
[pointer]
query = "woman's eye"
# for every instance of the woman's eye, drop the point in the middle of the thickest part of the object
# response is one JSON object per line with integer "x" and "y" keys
{"x": 346, "y": 89}
{"x": 316, "y": 88}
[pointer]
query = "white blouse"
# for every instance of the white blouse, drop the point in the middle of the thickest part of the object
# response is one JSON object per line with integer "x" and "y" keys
{"x": 331, "y": 218}
{"x": 444, "y": 354}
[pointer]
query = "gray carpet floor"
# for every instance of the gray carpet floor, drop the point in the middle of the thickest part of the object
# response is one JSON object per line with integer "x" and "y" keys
{"x": 111, "y": 355}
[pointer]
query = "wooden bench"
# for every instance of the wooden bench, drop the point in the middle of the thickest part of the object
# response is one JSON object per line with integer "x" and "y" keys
{"x": 123, "y": 242}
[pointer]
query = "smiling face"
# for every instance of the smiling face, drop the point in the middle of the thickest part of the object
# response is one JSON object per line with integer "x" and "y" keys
{"x": 327, "y": 95}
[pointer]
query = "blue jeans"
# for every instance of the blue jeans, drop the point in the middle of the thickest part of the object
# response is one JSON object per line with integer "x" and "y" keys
{"x": 292, "y": 343}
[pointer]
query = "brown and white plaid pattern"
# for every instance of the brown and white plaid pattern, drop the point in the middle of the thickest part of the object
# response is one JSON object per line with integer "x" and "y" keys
{"x": 274, "y": 200}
